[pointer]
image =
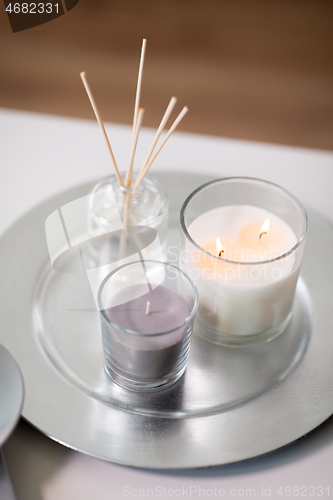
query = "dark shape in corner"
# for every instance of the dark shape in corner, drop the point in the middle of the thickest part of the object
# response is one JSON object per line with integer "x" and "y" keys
{"x": 24, "y": 15}
{"x": 70, "y": 4}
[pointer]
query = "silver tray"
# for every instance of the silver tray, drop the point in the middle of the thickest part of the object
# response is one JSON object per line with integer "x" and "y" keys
{"x": 232, "y": 403}
{"x": 11, "y": 395}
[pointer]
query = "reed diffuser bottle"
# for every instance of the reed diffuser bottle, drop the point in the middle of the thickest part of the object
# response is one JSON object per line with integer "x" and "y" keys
{"x": 126, "y": 222}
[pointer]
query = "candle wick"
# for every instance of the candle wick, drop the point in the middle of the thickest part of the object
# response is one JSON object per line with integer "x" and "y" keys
{"x": 221, "y": 252}
{"x": 260, "y": 235}
{"x": 148, "y": 308}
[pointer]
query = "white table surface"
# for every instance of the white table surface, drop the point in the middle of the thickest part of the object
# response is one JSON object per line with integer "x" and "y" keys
{"x": 42, "y": 155}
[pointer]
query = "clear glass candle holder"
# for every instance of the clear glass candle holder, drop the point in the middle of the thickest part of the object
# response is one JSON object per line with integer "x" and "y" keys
{"x": 246, "y": 280}
{"x": 124, "y": 222}
{"x": 147, "y": 311}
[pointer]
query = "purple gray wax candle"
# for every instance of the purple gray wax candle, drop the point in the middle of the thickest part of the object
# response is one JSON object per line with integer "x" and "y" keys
{"x": 139, "y": 348}
{"x": 147, "y": 314}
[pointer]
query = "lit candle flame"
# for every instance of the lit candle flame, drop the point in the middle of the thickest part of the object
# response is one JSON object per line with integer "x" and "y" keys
{"x": 265, "y": 228}
{"x": 219, "y": 247}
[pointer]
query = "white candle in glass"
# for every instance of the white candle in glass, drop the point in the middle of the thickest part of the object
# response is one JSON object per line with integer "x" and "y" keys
{"x": 244, "y": 289}
{"x": 247, "y": 288}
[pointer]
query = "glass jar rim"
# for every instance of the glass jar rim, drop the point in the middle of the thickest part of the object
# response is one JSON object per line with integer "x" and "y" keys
{"x": 140, "y": 334}
{"x": 250, "y": 179}
{"x": 146, "y": 182}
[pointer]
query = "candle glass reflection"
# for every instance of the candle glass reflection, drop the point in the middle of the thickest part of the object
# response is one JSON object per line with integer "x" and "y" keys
{"x": 246, "y": 285}
{"x": 147, "y": 312}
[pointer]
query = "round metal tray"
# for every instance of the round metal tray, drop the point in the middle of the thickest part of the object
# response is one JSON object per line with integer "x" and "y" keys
{"x": 11, "y": 394}
{"x": 232, "y": 403}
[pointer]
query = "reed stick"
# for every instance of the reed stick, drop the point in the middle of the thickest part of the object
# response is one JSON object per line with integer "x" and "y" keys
{"x": 159, "y": 131}
{"x": 133, "y": 147}
{"x": 128, "y": 178}
{"x": 100, "y": 122}
{"x": 153, "y": 158}
{"x": 126, "y": 202}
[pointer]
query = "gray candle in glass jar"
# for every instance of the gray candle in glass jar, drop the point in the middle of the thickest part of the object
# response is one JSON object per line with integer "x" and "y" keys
{"x": 138, "y": 345}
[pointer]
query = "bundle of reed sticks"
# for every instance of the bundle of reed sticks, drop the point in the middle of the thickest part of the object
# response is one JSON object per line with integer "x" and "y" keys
{"x": 155, "y": 148}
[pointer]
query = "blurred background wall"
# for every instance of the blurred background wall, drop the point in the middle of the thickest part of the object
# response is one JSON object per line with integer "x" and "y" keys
{"x": 251, "y": 69}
